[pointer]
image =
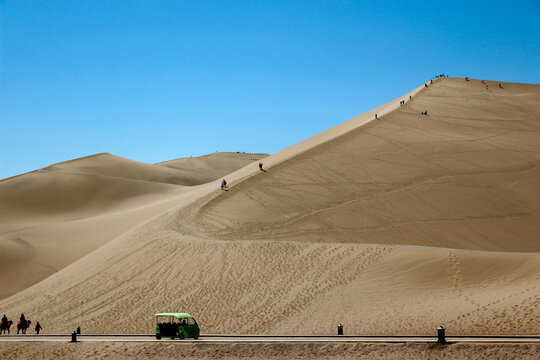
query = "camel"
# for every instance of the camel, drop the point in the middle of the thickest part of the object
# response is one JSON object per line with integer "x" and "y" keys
{"x": 5, "y": 326}
{"x": 22, "y": 326}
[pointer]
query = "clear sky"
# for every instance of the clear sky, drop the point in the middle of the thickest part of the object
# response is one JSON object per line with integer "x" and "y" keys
{"x": 158, "y": 80}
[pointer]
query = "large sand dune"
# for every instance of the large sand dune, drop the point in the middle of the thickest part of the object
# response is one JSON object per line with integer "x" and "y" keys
{"x": 390, "y": 226}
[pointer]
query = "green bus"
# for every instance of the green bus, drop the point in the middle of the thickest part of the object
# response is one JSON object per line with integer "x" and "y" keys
{"x": 176, "y": 325}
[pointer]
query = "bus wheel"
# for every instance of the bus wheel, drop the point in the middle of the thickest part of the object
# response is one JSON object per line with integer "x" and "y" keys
{"x": 158, "y": 336}
{"x": 181, "y": 336}
{"x": 196, "y": 337}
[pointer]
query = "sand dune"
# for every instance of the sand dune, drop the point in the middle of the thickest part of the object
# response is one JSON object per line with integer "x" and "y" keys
{"x": 390, "y": 226}
{"x": 55, "y": 215}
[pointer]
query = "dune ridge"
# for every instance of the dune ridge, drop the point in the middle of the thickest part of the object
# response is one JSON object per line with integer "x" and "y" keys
{"x": 389, "y": 226}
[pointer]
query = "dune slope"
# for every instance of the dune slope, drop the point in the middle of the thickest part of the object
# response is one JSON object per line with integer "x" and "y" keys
{"x": 461, "y": 177}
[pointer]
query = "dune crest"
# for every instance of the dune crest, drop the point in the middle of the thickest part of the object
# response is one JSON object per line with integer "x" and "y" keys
{"x": 206, "y": 168}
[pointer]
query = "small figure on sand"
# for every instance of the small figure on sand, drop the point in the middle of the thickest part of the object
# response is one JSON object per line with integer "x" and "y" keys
{"x": 38, "y": 328}
{"x": 376, "y": 116}
{"x": 261, "y": 167}
{"x": 500, "y": 86}
{"x": 424, "y": 112}
{"x": 223, "y": 184}
{"x": 425, "y": 85}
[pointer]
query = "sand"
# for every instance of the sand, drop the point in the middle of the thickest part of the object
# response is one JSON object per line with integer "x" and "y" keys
{"x": 203, "y": 169}
{"x": 389, "y": 226}
{"x": 53, "y": 216}
{"x": 267, "y": 351}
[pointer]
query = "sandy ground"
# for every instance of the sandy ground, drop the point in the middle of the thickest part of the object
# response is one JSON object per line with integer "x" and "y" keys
{"x": 274, "y": 351}
{"x": 389, "y": 226}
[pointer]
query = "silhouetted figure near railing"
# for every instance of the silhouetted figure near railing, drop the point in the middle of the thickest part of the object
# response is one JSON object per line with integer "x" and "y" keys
{"x": 38, "y": 328}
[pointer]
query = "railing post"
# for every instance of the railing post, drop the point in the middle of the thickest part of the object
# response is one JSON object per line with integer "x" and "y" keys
{"x": 441, "y": 338}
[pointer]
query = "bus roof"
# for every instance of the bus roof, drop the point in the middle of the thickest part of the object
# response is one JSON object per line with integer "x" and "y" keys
{"x": 176, "y": 315}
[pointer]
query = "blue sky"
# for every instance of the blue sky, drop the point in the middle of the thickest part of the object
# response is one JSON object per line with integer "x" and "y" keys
{"x": 157, "y": 80}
